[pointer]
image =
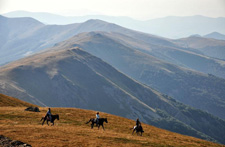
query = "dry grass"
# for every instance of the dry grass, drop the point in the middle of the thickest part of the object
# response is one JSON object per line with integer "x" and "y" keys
{"x": 71, "y": 130}
{"x": 12, "y": 102}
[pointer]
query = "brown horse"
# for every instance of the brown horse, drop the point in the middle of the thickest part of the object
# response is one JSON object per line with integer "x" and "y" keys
{"x": 100, "y": 122}
{"x": 138, "y": 129}
{"x": 47, "y": 118}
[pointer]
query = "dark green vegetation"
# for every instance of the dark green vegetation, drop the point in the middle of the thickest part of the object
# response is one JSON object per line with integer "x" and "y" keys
{"x": 75, "y": 78}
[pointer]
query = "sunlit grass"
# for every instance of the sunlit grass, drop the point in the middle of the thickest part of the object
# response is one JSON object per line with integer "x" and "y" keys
{"x": 71, "y": 130}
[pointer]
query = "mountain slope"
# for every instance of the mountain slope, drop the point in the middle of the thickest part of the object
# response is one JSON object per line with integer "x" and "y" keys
{"x": 7, "y": 101}
{"x": 71, "y": 77}
{"x": 193, "y": 88}
{"x": 33, "y": 40}
{"x": 208, "y": 46}
{"x": 71, "y": 130}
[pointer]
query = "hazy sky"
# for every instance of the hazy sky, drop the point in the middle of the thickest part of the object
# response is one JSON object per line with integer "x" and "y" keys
{"x": 139, "y": 9}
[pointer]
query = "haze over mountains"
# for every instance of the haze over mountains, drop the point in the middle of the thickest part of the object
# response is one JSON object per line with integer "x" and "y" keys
{"x": 215, "y": 35}
{"x": 102, "y": 66}
{"x": 39, "y": 36}
{"x": 154, "y": 72}
{"x": 170, "y": 27}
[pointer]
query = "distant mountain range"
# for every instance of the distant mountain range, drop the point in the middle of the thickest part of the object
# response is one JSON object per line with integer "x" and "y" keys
{"x": 170, "y": 27}
{"x": 25, "y": 36}
{"x": 215, "y": 35}
{"x": 204, "y": 45}
{"x": 21, "y": 37}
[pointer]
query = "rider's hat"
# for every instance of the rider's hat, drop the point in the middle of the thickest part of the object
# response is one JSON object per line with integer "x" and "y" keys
{"x": 97, "y": 112}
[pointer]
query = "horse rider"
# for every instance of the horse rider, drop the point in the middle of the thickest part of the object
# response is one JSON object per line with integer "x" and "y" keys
{"x": 138, "y": 123}
{"x": 49, "y": 114}
{"x": 97, "y": 118}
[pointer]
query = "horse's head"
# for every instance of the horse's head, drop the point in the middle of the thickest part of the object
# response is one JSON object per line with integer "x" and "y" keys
{"x": 57, "y": 116}
{"x": 106, "y": 120}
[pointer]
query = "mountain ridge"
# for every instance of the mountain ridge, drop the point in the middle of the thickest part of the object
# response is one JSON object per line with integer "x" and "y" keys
{"x": 153, "y": 26}
{"x": 152, "y": 71}
{"x": 215, "y": 35}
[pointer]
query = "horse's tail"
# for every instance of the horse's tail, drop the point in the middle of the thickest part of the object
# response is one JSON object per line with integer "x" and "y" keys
{"x": 42, "y": 118}
{"x": 88, "y": 121}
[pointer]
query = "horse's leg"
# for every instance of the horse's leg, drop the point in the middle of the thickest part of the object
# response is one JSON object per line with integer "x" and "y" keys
{"x": 43, "y": 122}
{"x": 47, "y": 123}
{"x": 92, "y": 125}
{"x": 103, "y": 127}
{"x": 133, "y": 131}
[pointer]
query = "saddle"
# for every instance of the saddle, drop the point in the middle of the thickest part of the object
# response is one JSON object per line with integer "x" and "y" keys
{"x": 48, "y": 119}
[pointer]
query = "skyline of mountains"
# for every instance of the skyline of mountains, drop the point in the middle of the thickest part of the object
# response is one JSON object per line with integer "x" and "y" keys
{"x": 215, "y": 35}
{"x": 170, "y": 27}
{"x": 102, "y": 66}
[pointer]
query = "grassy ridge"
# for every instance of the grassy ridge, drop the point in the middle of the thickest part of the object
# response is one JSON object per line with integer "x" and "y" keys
{"x": 12, "y": 102}
{"x": 71, "y": 130}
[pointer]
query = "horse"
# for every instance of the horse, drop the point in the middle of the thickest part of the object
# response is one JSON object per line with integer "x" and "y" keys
{"x": 48, "y": 119}
{"x": 138, "y": 129}
{"x": 100, "y": 122}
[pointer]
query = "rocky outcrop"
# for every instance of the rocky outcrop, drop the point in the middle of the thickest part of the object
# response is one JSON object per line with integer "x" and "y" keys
{"x": 34, "y": 109}
{"x": 7, "y": 142}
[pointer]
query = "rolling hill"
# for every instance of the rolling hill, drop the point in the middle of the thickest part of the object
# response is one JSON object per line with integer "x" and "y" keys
{"x": 190, "y": 87}
{"x": 71, "y": 130}
{"x": 71, "y": 77}
{"x": 207, "y": 46}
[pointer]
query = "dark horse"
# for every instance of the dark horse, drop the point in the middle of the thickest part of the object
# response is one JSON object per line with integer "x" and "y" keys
{"x": 47, "y": 118}
{"x": 100, "y": 123}
{"x": 138, "y": 129}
